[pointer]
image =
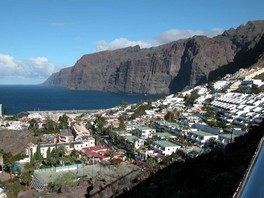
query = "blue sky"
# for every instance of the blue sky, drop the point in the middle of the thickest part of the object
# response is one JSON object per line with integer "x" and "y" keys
{"x": 39, "y": 37}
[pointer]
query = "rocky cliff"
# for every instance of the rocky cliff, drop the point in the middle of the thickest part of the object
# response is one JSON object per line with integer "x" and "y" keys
{"x": 168, "y": 68}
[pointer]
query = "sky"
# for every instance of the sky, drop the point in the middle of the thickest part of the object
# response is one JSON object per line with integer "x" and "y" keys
{"x": 40, "y": 37}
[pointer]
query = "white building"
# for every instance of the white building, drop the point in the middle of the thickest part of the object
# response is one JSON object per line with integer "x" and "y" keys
{"x": 224, "y": 139}
{"x": 66, "y": 135}
{"x": 165, "y": 147}
{"x": 69, "y": 146}
{"x": 201, "y": 137}
{"x": 134, "y": 141}
{"x": 145, "y": 132}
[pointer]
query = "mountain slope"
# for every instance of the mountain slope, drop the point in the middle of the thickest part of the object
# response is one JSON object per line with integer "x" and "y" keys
{"x": 168, "y": 68}
{"x": 216, "y": 174}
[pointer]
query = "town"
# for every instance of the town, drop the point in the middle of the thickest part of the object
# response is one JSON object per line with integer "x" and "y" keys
{"x": 131, "y": 139}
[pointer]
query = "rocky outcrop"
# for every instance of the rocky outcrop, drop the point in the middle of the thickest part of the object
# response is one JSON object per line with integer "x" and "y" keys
{"x": 168, "y": 68}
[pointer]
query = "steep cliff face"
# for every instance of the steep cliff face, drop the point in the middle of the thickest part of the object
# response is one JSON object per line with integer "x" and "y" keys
{"x": 60, "y": 78}
{"x": 168, "y": 68}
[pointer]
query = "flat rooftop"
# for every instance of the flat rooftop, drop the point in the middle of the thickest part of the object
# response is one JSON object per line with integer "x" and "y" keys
{"x": 165, "y": 143}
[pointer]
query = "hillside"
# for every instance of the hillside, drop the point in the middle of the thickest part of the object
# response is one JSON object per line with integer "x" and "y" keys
{"x": 216, "y": 174}
{"x": 14, "y": 141}
{"x": 168, "y": 68}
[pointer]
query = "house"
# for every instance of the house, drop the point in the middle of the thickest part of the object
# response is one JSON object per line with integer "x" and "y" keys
{"x": 165, "y": 147}
{"x": 164, "y": 135}
{"x": 162, "y": 125}
{"x": 98, "y": 153}
{"x": 66, "y": 135}
{"x": 224, "y": 139}
{"x": 200, "y": 137}
{"x": 246, "y": 85}
{"x": 134, "y": 141}
{"x": 80, "y": 129}
{"x": 69, "y": 147}
{"x": 145, "y": 132}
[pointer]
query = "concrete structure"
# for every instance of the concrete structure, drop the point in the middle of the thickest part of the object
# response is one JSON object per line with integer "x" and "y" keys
{"x": 240, "y": 109}
{"x": 165, "y": 135}
{"x": 97, "y": 153}
{"x": 200, "y": 137}
{"x": 224, "y": 139}
{"x": 80, "y": 129}
{"x": 145, "y": 132}
{"x": 66, "y": 136}
{"x": 165, "y": 147}
{"x": 69, "y": 147}
{"x": 134, "y": 141}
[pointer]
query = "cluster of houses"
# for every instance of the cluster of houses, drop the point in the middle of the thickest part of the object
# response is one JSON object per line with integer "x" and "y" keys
{"x": 151, "y": 134}
{"x": 79, "y": 139}
{"x": 240, "y": 109}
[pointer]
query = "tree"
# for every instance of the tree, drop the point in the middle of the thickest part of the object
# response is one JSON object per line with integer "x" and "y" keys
{"x": 26, "y": 178}
{"x": 172, "y": 115}
{"x": 28, "y": 167}
{"x": 255, "y": 89}
{"x": 63, "y": 122}
{"x": 48, "y": 153}
{"x": 211, "y": 87}
{"x": 37, "y": 156}
{"x": 9, "y": 162}
{"x": 89, "y": 125}
{"x": 33, "y": 126}
{"x": 190, "y": 99}
{"x": 122, "y": 125}
{"x": 210, "y": 113}
{"x": 100, "y": 123}
{"x": 61, "y": 151}
{"x": 51, "y": 126}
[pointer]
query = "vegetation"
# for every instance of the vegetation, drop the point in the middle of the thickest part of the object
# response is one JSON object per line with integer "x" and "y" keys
{"x": 172, "y": 116}
{"x": 100, "y": 124}
{"x": 64, "y": 179}
{"x": 255, "y": 89}
{"x": 189, "y": 99}
{"x": 140, "y": 108}
{"x": 122, "y": 125}
{"x": 51, "y": 126}
{"x": 209, "y": 113}
{"x": 64, "y": 121}
{"x": 210, "y": 86}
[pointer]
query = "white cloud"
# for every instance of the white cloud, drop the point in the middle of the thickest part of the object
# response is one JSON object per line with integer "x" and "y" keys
{"x": 119, "y": 43}
{"x": 164, "y": 37}
{"x": 25, "y": 71}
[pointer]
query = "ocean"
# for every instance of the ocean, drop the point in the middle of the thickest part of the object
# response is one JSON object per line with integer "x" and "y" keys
{"x": 21, "y": 98}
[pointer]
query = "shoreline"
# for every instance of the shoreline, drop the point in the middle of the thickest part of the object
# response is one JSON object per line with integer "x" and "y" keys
{"x": 74, "y": 111}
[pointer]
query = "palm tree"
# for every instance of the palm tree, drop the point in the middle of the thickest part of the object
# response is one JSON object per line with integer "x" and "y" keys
{"x": 28, "y": 168}
{"x": 26, "y": 178}
{"x": 9, "y": 162}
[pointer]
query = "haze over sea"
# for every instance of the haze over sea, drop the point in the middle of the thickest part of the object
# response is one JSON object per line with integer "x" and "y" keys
{"x": 21, "y": 98}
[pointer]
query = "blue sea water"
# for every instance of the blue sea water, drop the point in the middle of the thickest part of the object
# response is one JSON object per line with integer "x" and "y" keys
{"x": 21, "y": 98}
